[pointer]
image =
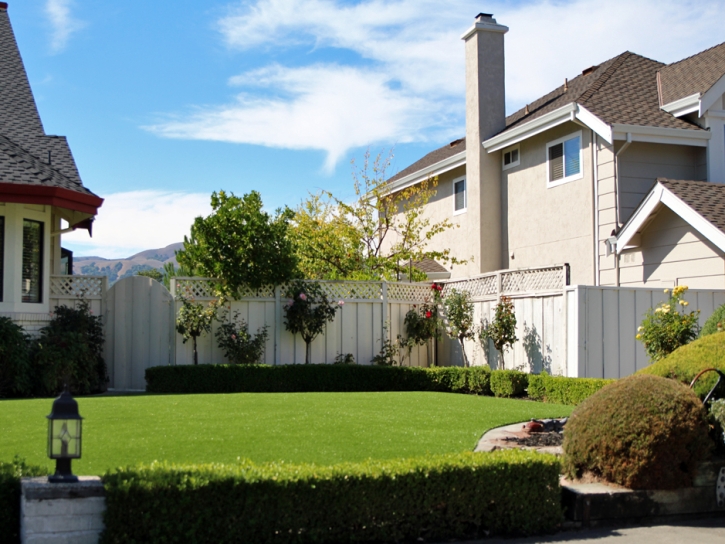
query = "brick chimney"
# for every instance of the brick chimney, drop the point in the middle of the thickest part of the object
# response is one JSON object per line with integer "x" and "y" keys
{"x": 485, "y": 117}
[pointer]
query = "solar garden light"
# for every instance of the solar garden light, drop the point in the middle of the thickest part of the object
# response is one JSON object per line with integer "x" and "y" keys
{"x": 64, "y": 437}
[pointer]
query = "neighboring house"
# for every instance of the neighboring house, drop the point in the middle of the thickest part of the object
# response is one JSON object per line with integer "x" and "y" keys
{"x": 557, "y": 181}
{"x": 41, "y": 193}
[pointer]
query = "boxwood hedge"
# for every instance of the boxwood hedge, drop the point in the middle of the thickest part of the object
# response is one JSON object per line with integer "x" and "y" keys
{"x": 441, "y": 497}
{"x": 561, "y": 390}
{"x": 10, "y": 474}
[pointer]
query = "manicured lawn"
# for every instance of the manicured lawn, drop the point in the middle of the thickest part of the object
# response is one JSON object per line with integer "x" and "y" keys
{"x": 320, "y": 428}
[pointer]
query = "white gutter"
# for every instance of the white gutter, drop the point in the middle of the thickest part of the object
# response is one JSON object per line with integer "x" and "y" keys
{"x": 595, "y": 215}
{"x": 436, "y": 169}
{"x": 683, "y": 106}
{"x": 659, "y": 135}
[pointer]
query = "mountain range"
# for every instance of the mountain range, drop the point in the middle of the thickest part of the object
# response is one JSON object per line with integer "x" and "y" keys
{"x": 116, "y": 269}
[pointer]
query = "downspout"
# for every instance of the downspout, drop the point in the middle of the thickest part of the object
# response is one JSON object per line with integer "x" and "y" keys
{"x": 595, "y": 214}
{"x": 616, "y": 201}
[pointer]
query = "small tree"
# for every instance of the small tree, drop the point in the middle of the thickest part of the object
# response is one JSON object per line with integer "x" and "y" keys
{"x": 308, "y": 311}
{"x": 665, "y": 329}
{"x": 423, "y": 322}
{"x": 238, "y": 344}
{"x": 240, "y": 244}
{"x": 459, "y": 311}
{"x": 195, "y": 319}
{"x": 502, "y": 330}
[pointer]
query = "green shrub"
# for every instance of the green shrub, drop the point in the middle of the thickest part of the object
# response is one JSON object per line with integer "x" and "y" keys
{"x": 435, "y": 498}
{"x": 686, "y": 362}
{"x": 717, "y": 419}
{"x": 643, "y": 432}
{"x": 70, "y": 349}
{"x": 508, "y": 383}
{"x": 561, "y": 390}
{"x": 314, "y": 378}
{"x": 711, "y": 325}
{"x": 10, "y": 474}
{"x": 238, "y": 345}
{"x": 15, "y": 373}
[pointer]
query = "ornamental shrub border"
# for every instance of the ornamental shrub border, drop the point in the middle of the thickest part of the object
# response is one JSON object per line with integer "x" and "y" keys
{"x": 561, "y": 390}
{"x": 10, "y": 474}
{"x": 435, "y": 498}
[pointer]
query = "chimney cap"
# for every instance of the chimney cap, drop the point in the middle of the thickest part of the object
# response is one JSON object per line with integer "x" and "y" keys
{"x": 3, "y": 5}
{"x": 484, "y": 16}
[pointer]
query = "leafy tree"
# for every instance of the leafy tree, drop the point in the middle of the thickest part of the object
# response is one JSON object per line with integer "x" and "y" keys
{"x": 459, "y": 312}
{"x": 308, "y": 311}
{"x": 502, "y": 330}
{"x": 195, "y": 319}
{"x": 374, "y": 237}
{"x": 240, "y": 244}
{"x": 153, "y": 273}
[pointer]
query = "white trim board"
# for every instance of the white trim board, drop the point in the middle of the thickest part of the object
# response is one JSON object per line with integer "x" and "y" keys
{"x": 436, "y": 169}
{"x": 683, "y": 106}
{"x": 712, "y": 95}
{"x": 659, "y": 135}
{"x": 657, "y": 197}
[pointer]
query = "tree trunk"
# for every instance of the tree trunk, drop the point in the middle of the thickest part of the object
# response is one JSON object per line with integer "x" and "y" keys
{"x": 308, "y": 350}
{"x": 463, "y": 352}
{"x": 196, "y": 355}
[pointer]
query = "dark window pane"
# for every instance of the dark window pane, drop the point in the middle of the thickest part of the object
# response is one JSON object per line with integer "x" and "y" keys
{"x": 32, "y": 261}
{"x": 460, "y": 195}
{"x": 507, "y": 158}
{"x": 556, "y": 162}
{"x": 571, "y": 154}
{"x": 515, "y": 155}
{"x": 2, "y": 255}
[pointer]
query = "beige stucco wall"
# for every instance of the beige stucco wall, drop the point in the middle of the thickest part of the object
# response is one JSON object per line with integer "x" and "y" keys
{"x": 672, "y": 252}
{"x": 545, "y": 226}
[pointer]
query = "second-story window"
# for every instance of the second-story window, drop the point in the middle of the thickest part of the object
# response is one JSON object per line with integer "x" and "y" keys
{"x": 459, "y": 196}
{"x": 32, "y": 277}
{"x": 563, "y": 159}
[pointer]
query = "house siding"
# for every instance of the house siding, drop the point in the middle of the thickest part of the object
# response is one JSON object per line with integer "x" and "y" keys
{"x": 545, "y": 226}
{"x": 672, "y": 253}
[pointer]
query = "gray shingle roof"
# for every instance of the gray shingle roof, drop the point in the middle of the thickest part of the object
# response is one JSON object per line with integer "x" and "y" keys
{"x": 442, "y": 153}
{"x": 27, "y": 155}
{"x": 695, "y": 74}
{"x": 429, "y": 265}
{"x": 706, "y": 198}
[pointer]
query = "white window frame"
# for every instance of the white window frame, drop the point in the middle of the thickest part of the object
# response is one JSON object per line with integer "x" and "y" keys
{"x": 465, "y": 195}
{"x": 565, "y": 179}
{"x": 517, "y": 162}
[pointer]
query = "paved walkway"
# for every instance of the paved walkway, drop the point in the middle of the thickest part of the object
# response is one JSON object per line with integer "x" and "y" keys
{"x": 703, "y": 531}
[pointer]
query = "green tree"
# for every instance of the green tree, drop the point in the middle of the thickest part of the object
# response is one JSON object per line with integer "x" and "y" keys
{"x": 153, "y": 273}
{"x": 502, "y": 330}
{"x": 376, "y": 236}
{"x": 459, "y": 313}
{"x": 195, "y": 319}
{"x": 240, "y": 244}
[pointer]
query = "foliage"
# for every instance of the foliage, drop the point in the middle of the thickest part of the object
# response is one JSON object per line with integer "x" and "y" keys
{"x": 70, "y": 350}
{"x": 375, "y": 236}
{"x": 642, "y": 432}
{"x": 238, "y": 345}
{"x": 315, "y": 378}
{"x": 665, "y": 329}
{"x": 459, "y": 312}
{"x": 561, "y": 390}
{"x": 379, "y": 501}
{"x": 240, "y": 244}
{"x": 715, "y": 323}
{"x": 15, "y": 371}
{"x": 508, "y": 383}
{"x": 717, "y": 418}
{"x": 344, "y": 359}
{"x": 422, "y": 322}
{"x": 686, "y": 362}
{"x": 308, "y": 311}
{"x": 502, "y": 330}
{"x": 10, "y": 475}
{"x": 153, "y": 273}
{"x": 195, "y": 319}
{"x": 390, "y": 352}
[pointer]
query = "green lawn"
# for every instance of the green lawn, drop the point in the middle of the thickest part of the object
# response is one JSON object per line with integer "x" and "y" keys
{"x": 320, "y": 428}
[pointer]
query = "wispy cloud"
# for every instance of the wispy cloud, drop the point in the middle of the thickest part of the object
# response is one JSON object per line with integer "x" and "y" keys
{"x": 134, "y": 221}
{"x": 405, "y": 81}
{"x": 62, "y": 22}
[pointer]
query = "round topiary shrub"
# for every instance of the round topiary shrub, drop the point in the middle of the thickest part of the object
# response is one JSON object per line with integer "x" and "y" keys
{"x": 642, "y": 432}
{"x": 686, "y": 362}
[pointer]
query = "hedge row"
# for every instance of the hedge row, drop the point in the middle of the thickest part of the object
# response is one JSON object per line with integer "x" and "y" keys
{"x": 560, "y": 390}
{"x": 442, "y": 497}
{"x": 10, "y": 474}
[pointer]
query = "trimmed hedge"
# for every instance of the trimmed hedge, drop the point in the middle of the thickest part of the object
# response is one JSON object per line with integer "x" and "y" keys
{"x": 449, "y": 496}
{"x": 10, "y": 474}
{"x": 561, "y": 390}
{"x": 509, "y": 383}
{"x": 314, "y": 378}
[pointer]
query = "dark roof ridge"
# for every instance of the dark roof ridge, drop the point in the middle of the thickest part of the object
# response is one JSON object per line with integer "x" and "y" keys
{"x": 608, "y": 73}
{"x": 695, "y": 54}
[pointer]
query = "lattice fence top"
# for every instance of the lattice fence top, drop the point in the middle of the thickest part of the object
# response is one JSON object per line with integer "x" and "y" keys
{"x": 409, "y": 291}
{"x": 359, "y": 290}
{"x": 513, "y": 282}
{"x": 89, "y": 287}
{"x": 477, "y": 287}
{"x": 194, "y": 288}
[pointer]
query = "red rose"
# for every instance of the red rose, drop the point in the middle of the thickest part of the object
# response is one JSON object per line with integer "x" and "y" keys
{"x": 428, "y": 314}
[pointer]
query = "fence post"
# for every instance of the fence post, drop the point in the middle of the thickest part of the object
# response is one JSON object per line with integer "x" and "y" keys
{"x": 277, "y": 323}
{"x": 384, "y": 312}
{"x": 498, "y": 286}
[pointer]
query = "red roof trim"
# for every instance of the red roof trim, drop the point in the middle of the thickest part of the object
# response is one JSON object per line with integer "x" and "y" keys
{"x": 53, "y": 196}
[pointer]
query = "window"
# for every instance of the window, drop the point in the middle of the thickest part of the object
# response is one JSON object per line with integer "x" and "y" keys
{"x": 511, "y": 158}
{"x": 32, "y": 278}
{"x": 2, "y": 254}
{"x": 459, "y": 196}
{"x": 564, "y": 157}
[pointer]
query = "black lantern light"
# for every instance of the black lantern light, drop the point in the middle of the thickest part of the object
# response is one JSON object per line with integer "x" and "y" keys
{"x": 64, "y": 437}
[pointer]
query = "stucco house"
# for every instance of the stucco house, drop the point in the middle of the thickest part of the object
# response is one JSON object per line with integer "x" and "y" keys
{"x": 573, "y": 176}
{"x": 41, "y": 193}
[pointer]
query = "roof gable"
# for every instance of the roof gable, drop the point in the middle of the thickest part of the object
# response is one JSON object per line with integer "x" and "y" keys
{"x": 693, "y": 75}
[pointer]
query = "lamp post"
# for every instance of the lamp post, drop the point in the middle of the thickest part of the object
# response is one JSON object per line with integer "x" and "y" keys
{"x": 64, "y": 437}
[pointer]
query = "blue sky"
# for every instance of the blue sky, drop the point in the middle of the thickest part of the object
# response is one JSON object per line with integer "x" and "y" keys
{"x": 165, "y": 102}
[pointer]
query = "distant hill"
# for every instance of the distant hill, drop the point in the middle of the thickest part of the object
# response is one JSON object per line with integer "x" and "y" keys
{"x": 116, "y": 269}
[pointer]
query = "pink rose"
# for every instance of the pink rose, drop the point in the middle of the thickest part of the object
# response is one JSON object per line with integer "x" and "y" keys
{"x": 234, "y": 336}
{"x": 303, "y": 296}
{"x": 340, "y": 302}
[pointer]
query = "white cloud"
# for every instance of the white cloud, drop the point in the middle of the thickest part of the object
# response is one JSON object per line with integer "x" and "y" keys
{"x": 138, "y": 220}
{"x": 406, "y": 82}
{"x": 62, "y": 22}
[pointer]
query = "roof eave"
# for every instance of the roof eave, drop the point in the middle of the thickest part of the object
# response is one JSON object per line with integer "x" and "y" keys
{"x": 683, "y": 106}
{"x": 662, "y": 135}
{"x": 435, "y": 169}
{"x": 52, "y": 196}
